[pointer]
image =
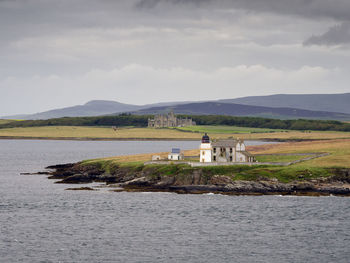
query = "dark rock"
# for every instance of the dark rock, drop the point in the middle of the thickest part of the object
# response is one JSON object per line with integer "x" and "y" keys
{"x": 61, "y": 166}
{"x": 165, "y": 181}
{"x": 220, "y": 180}
{"x": 46, "y": 173}
{"x": 141, "y": 181}
{"x": 78, "y": 179}
{"x": 81, "y": 188}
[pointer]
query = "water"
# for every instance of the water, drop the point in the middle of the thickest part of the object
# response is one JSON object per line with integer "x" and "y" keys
{"x": 41, "y": 222}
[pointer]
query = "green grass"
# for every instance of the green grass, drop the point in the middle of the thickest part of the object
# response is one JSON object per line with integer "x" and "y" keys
{"x": 226, "y": 129}
{"x": 279, "y": 158}
{"x": 184, "y": 172}
{"x": 255, "y": 173}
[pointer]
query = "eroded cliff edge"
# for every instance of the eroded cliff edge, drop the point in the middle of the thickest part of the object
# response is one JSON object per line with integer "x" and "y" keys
{"x": 233, "y": 180}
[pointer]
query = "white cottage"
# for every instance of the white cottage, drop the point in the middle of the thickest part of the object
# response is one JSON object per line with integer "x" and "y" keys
{"x": 175, "y": 154}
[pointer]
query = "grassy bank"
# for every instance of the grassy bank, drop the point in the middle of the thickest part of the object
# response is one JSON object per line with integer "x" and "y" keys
{"x": 216, "y": 132}
{"x": 339, "y": 158}
{"x": 236, "y": 172}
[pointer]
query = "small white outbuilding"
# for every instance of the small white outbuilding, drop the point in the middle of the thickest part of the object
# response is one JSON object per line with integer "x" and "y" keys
{"x": 175, "y": 155}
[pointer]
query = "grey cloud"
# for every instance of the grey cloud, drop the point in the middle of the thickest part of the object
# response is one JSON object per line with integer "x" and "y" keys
{"x": 153, "y": 3}
{"x": 50, "y": 45}
{"x": 335, "y": 9}
{"x": 336, "y": 35}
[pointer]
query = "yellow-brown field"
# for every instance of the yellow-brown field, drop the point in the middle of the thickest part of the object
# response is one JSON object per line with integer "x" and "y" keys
{"x": 77, "y": 132}
{"x": 145, "y": 157}
{"x": 339, "y": 151}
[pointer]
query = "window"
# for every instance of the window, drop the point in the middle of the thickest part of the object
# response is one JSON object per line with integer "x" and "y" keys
{"x": 230, "y": 150}
{"x": 203, "y": 153}
{"x": 230, "y": 158}
{"x": 222, "y": 151}
{"x": 214, "y": 158}
{"x": 214, "y": 150}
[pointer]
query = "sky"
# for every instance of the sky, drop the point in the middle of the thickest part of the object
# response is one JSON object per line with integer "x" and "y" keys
{"x": 58, "y": 53}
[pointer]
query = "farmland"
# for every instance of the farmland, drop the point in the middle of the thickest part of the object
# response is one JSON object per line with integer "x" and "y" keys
{"x": 226, "y": 129}
{"x": 127, "y": 133}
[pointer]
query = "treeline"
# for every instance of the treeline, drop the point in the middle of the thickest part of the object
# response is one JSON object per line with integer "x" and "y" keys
{"x": 119, "y": 120}
{"x": 255, "y": 122}
{"x": 141, "y": 121}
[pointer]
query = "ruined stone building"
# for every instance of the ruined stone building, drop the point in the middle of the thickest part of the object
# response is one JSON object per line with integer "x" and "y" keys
{"x": 169, "y": 120}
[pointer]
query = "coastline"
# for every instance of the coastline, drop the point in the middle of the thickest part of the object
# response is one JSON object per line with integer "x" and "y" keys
{"x": 184, "y": 180}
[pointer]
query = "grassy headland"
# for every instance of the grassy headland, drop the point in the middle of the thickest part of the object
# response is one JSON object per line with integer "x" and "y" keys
{"x": 323, "y": 176}
{"x": 320, "y": 167}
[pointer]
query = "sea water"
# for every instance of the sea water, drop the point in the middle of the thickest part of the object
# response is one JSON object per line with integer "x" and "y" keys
{"x": 42, "y": 222}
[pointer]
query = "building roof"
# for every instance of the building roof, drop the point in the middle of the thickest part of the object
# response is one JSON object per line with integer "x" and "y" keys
{"x": 175, "y": 150}
{"x": 224, "y": 143}
{"x": 205, "y": 138}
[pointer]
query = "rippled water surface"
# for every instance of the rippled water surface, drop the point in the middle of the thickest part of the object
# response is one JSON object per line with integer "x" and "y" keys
{"x": 41, "y": 222}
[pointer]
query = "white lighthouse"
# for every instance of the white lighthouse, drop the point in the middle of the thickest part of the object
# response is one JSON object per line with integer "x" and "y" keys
{"x": 205, "y": 150}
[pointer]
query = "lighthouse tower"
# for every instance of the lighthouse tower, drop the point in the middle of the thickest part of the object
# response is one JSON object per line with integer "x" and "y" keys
{"x": 205, "y": 150}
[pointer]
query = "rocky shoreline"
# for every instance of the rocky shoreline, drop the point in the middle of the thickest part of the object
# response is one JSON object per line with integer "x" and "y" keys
{"x": 143, "y": 180}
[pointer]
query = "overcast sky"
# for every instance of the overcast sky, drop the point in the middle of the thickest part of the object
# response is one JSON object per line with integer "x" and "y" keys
{"x": 65, "y": 52}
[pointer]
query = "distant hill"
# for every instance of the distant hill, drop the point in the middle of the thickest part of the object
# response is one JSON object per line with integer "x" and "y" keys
{"x": 318, "y": 106}
{"x": 92, "y": 108}
{"x": 232, "y": 109}
{"x": 314, "y": 102}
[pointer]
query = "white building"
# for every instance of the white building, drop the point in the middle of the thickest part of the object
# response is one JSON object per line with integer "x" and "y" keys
{"x": 156, "y": 158}
{"x": 205, "y": 150}
{"x": 175, "y": 154}
{"x": 223, "y": 151}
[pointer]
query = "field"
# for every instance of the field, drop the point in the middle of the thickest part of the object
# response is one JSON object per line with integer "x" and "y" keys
{"x": 226, "y": 129}
{"x": 107, "y": 133}
{"x": 339, "y": 151}
{"x": 279, "y": 158}
{"x": 140, "y": 158}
